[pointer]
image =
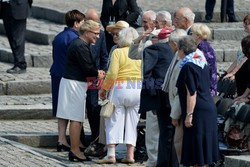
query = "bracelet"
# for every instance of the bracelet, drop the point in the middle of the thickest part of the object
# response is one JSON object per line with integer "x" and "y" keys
{"x": 189, "y": 114}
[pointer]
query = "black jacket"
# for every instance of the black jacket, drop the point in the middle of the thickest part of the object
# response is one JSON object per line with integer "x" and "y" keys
{"x": 156, "y": 60}
{"x": 126, "y": 10}
{"x": 79, "y": 62}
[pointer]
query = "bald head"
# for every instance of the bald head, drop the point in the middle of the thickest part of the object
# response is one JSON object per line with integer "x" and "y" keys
{"x": 92, "y": 14}
{"x": 184, "y": 18}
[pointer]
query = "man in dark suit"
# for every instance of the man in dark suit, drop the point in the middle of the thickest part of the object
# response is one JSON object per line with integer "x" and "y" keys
{"x": 156, "y": 60}
{"x": 209, "y": 6}
{"x": 113, "y": 11}
{"x": 14, "y": 14}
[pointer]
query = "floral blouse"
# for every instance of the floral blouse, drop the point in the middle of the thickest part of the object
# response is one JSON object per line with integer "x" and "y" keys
{"x": 209, "y": 53}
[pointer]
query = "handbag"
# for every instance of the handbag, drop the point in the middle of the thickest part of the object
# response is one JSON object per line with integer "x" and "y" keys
{"x": 236, "y": 138}
{"x": 107, "y": 107}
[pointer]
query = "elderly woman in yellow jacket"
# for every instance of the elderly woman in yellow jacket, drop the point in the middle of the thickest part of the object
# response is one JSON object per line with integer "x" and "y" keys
{"x": 123, "y": 79}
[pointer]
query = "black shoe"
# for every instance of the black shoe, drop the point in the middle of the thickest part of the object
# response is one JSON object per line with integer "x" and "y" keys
{"x": 73, "y": 157}
{"x": 61, "y": 147}
{"x": 16, "y": 70}
{"x": 207, "y": 21}
{"x": 232, "y": 20}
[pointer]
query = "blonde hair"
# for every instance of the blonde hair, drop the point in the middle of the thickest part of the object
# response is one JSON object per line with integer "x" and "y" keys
{"x": 202, "y": 30}
{"x": 126, "y": 36}
{"x": 88, "y": 25}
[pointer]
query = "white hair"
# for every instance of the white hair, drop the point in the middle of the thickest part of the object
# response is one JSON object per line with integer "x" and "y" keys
{"x": 165, "y": 16}
{"x": 126, "y": 36}
{"x": 177, "y": 34}
{"x": 151, "y": 14}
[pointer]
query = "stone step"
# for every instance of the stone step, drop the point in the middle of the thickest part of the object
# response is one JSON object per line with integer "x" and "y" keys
{"x": 226, "y": 50}
{"x": 39, "y": 31}
{"x": 227, "y": 31}
{"x": 34, "y": 81}
{"x": 54, "y": 11}
{"x": 233, "y": 161}
{"x": 26, "y": 107}
{"x": 35, "y": 55}
{"x": 34, "y": 132}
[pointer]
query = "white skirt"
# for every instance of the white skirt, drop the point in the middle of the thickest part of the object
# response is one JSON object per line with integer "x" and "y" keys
{"x": 71, "y": 100}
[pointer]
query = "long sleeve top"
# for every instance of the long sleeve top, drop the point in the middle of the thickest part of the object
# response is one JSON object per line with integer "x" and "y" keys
{"x": 210, "y": 56}
{"x": 79, "y": 64}
{"x": 122, "y": 68}
{"x": 60, "y": 45}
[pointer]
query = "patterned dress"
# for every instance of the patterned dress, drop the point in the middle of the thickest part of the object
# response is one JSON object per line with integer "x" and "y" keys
{"x": 209, "y": 53}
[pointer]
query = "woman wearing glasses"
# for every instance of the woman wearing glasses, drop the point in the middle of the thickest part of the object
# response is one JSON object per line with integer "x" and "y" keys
{"x": 73, "y": 86}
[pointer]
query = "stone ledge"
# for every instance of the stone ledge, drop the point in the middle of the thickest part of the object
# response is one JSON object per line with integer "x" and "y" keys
{"x": 17, "y": 112}
{"x": 28, "y": 87}
{"x": 237, "y": 161}
{"x": 48, "y": 14}
{"x": 38, "y": 140}
{"x": 34, "y": 35}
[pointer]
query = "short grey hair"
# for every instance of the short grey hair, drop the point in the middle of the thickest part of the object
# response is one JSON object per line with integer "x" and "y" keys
{"x": 126, "y": 36}
{"x": 177, "y": 34}
{"x": 166, "y": 16}
{"x": 151, "y": 14}
{"x": 187, "y": 13}
{"x": 187, "y": 44}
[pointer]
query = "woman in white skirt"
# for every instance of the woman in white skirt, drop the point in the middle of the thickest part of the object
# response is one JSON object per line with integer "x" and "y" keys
{"x": 124, "y": 74}
{"x": 73, "y": 86}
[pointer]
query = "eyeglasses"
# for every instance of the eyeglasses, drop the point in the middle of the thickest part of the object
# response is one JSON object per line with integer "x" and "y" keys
{"x": 96, "y": 33}
{"x": 115, "y": 34}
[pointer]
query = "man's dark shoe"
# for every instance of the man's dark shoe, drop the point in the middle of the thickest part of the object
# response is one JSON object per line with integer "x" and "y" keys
{"x": 232, "y": 20}
{"x": 16, "y": 70}
{"x": 207, "y": 21}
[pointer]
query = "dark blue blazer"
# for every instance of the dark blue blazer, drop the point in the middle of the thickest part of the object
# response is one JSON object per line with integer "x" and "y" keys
{"x": 60, "y": 46}
{"x": 99, "y": 52}
{"x": 156, "y": 60}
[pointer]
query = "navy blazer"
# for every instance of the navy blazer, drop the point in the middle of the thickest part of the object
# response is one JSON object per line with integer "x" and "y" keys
{"x": 60, "y": 45}
{"x": 156, "y": 60}
{"x": 99, "y": 52}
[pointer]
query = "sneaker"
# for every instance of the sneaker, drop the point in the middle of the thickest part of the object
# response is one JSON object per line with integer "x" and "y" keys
{"x": 16, "y": 70}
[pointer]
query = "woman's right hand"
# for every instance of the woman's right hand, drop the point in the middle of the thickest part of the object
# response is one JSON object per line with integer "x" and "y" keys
{"x": 229, "y": 75}
{"x": 101, "y": 74}
{"x": 102, "y": 94}
{"x": 175, "y": 122}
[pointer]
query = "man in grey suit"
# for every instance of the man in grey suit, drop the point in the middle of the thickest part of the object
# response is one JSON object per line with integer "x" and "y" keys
{"x": 14, "y": 14}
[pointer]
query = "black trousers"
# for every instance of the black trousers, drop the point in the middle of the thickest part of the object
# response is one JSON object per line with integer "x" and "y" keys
{"x": 209, "y": 7}
{"x": 166, "y": 152}
{"x": 93, "y": 112}
{"x": 15, "y": 31}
